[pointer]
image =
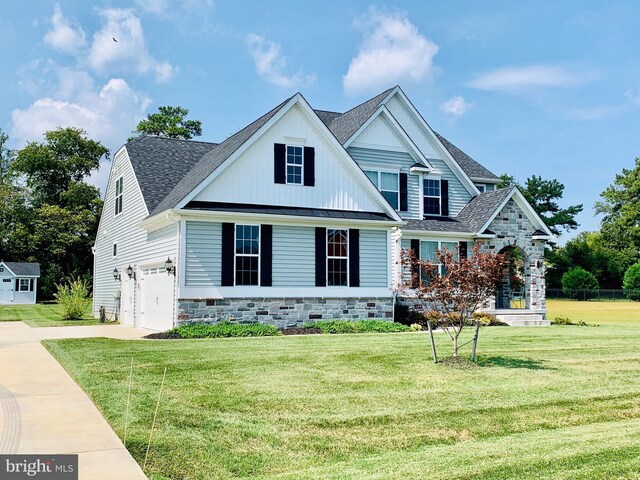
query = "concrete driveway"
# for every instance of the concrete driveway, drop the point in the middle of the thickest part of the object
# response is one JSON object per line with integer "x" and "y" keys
{"x": 43, "y": 411}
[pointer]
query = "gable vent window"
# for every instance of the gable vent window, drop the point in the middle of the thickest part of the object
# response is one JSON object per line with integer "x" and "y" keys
{"x": 389, "y": 185}
{"x": 115, "y": 250}
{"x": 294, "y": 164}
{"x": 431, "y": 196}
{"x": 247, "y": 254}
{"x": 118, "y": 196}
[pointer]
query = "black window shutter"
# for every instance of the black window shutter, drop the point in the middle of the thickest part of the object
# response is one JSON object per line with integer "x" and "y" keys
{"x": 462, "y": 250}
{"x": 404, "y": 194}
{"x": 309, "y": 166}
{"x": 31, "y": 285}
{"x": 415, "y": 246}
{"x": 444, "y": 197}
{"x": 354, "y": 257}
{"x": 266, "y": 255}
{"x": 228, "y": 247}
{"x": 279, "y": 163}
{"x": 321, "y": 257}
{"x": 17, "y": 289}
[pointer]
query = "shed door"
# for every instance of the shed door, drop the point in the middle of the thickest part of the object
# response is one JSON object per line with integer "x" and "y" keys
{"x": 127, "y": 300}
{"x": 156, "y": 294}
{"x": 6, "y": 290}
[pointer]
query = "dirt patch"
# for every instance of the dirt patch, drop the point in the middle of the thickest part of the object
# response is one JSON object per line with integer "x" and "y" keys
{"x": 163, "y": 336}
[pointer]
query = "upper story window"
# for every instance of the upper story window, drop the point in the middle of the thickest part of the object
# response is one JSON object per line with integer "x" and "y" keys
{"x": 119, "y": 184}
{"x": 432, "y": 196}
{"x": 247, "y": 254}
{"x": 481, "y": 187}
{"x": 388, "y": 184}
{"x": 294, "y": 164}
{"x": 337, "y": 258}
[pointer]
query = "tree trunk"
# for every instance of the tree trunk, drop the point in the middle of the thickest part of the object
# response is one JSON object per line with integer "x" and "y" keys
{"x": 475, "y": 341}
{"x": 433, "y": 344}
{"x": 455, "y": 346}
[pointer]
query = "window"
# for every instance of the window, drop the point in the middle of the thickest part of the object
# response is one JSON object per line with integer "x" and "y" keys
{"x": 24, "y": 285}
{"x": 115, "y": 250}
{"x": 337, "y": 258}
{"x": 119, "y": 196}
{"x": 428, "y": 249}
{"x": 247, "y": 254}
{"x": 481, "y": 187}
{"x": 431, "y": 192}
{"x": 490, "y": 187}
{"x": 388, "y": 184}
{"x": 294, "y": 164}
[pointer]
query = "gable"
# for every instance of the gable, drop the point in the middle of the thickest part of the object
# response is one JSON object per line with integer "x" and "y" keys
{"x": 513, "y": 217}
{"x": 249, "y": 177}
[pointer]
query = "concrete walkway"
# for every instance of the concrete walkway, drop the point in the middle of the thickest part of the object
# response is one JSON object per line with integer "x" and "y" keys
{"x": 42, "y": 410}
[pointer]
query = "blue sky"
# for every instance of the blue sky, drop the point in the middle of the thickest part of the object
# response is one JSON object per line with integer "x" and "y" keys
{"x": 545, "y": 88}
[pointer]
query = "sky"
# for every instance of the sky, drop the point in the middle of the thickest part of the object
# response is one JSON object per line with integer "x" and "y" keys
{"x": 526, "y": 88}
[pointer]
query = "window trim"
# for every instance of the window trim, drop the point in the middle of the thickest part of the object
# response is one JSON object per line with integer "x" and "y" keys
{"x": 235, "y": 253}
{"x": 287, "y": 164}
{"x": 439, "y": 180}
{"x": 119, "y": 180}
{"x": 439, "y": 247}
{"x": 20, "y": 283}
{"x": 378, "y": 184}
{"x": 326, "y": 262}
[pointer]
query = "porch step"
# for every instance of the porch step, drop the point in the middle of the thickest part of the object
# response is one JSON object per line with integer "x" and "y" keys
{"x": 523, "y": 319}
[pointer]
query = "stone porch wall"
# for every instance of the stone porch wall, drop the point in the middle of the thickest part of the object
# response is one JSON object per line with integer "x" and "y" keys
{"x": 283, "y": 312}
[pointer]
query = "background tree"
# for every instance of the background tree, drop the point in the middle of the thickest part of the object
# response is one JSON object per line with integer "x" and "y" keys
{"x": 579, "y": 284}
{"x": 632, "y": 282}
{"x": 6, "y": 156}
{"x": 450, "y": 300}
{"x": 58, "y": 212}
{"x": 543, "y": 196}
{"x": 170, "y": 122}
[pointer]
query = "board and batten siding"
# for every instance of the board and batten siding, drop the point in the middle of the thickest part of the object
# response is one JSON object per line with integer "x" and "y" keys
{"x": 135, "y": 245}
{"x": 203, "y": 253}
{"x": 374, "y": 266}
{"x": 372, "y": 159}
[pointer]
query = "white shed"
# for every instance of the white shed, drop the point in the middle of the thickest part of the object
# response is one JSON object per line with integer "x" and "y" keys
{"x": 18, "y": 282}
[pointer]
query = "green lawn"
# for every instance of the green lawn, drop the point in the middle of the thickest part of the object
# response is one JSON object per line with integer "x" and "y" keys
{"x": 42, "y": 315}
{"x": 612, "y": 313}
{"x": 546, "y": 403}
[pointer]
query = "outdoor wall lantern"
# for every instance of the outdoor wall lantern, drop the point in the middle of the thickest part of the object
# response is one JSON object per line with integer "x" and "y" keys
{"x": 130, "y": 272}
{"x": 116, "y": 275}
{"x": 169, "y": 266}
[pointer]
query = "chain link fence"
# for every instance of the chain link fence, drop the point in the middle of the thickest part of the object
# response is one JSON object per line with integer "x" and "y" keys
{"x": 596, "y": 295}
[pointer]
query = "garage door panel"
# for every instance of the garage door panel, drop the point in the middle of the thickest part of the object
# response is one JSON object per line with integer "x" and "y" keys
{"x": 156, "y": 312}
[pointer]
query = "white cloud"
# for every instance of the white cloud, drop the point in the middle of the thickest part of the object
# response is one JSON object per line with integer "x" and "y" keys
{"x": 393, "y": 51}
{"x": 455, "y": 107}
{"x": 120, "y": 46}
{"x": 63, "y": 35}
{"x": 154, "y": 6}
{"x": 513, "y": 79}
{"x": 271, "y": 64}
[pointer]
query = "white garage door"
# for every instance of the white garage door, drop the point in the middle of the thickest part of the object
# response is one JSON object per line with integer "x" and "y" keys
{"x": 156, "y": 293}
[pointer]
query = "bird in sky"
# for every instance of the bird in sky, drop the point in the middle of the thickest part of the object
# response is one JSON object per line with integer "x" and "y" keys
{"x": 113, "y": 38}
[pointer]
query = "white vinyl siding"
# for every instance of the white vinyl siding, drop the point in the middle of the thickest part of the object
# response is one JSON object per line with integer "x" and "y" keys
{"x": 373, "y": 258}
{"x": 203, "y": 262}
{"x": 458, "y": 195}
{"x": 293, "y": 256}
{"x": 370, "y": 159}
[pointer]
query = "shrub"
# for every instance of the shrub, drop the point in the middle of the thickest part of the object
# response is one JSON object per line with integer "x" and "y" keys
{"x": 224, "y": 329}
{"x": 567, "y": 321}
{"x": 406, "y": 316}
{"x": 358, "y": 326}
{"x": 73, "y": 298}
{"x": 579, "y": 284}
{"x": 415, "y": 327}
{"x": 631, "y": 282}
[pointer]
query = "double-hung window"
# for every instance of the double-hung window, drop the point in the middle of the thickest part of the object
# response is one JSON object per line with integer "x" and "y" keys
{"x": 294, "y": 164}
{"x": 247, "y": 254}
{"x": 431, "y": 192}
{"x": 118, "y": 196}
{"x": 24, "y": 285}
{"x": 388, "y": 184}
{"x": 337, "y": 257}
{"x": 428, "y": 252}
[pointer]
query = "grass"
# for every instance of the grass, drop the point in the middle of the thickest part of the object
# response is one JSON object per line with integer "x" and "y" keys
{"x": 42, "y": 315}
{"x": 547, "y": 403}
{"x": 603, "y": 313}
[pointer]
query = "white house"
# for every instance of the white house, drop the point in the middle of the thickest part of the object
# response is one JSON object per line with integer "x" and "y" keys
{"x": 18, "y": 282}
{"x": 300, "y": 215}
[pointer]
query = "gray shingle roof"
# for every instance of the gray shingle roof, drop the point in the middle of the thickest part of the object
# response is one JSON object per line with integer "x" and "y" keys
{"x": 159, "y": 163}
{"x": 482, "y": 207}
{"x": 211, "y": 161}
{"x": 343, "y": 126}
{"x": 472, "y": 168}
{"x": 439, "y": 224}
{"x": 24, "y": 269}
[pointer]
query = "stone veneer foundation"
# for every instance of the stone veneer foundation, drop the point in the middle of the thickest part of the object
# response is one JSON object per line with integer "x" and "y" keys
{"x": 283, "y": 312}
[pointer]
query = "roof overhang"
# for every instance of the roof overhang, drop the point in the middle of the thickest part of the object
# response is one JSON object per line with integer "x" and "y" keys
{"x": 419, "y": 169}
{"x": 495, "y": 181}
{"x": 431, "y": 233}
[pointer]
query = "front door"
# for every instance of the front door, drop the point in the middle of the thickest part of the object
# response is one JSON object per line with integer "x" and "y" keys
{"x": 6, "y": 290}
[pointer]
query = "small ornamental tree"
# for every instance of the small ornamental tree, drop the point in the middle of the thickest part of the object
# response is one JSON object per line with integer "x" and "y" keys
{"x": 631, "y": 283}
{"x": 579, "y": 284}
{"x": 449, "y": 300}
